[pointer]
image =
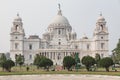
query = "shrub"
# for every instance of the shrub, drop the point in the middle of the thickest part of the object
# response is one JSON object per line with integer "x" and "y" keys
{"x": 88, "y": 61}
{"x": 68, "y": 62}
{"x": 106, "y": 63}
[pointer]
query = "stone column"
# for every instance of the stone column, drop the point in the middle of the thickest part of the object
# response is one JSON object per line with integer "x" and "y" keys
{"x": 49, "y": 55}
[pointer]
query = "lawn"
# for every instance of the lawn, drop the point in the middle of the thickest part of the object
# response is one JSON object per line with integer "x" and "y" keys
{"x": 35, "y": 71}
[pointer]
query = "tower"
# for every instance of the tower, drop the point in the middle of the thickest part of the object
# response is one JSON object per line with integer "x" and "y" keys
{"x": 17, "y": 37}
{"x": 101, "y": 37}
{"x": 60, "y": 31}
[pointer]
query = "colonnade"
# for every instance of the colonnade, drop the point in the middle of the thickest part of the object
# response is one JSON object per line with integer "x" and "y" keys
{"x": 57, "y": 56}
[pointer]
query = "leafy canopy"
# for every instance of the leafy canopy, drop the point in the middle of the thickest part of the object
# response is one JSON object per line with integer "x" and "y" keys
{"x": 106, "y": 63}
{"x": 68, "y": 62}
{"x": 2, "y": 60}
{"x": 88, "y": 61}
{"x": 116, "y": 52}
{"x": 19, "y": 59}
{"x": 41, "y": 61}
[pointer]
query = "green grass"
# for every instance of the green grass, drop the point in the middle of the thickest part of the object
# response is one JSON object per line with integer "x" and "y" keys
{"x": 34, "y": 71}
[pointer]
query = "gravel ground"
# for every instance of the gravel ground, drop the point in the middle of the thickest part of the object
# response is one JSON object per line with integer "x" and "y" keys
{"x": 59, "y": 77}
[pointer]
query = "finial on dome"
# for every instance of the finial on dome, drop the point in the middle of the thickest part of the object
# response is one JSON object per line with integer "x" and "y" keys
{"x": 84, "y": 34}
{"x": 59, "y": 11}
{"x": 100, "y": 13}
{"x": 17, "y": 14}
{"x": 59, "y": 6}
{"x": 18, "y": 18}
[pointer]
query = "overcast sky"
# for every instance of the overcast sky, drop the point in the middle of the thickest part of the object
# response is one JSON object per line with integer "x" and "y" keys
{"x": 37, "y": 14}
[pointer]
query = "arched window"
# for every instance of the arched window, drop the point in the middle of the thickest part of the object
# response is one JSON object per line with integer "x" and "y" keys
{"x": 101, "y": 27}
{"x": 16, "y": 27}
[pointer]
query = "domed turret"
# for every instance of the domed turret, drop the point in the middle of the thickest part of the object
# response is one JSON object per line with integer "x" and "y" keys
{"x": 74, "y": 36}
{"x": 84, "y": 36}
{"x": 18, "y": 18}
{"x": 100, "y": 25}
{"x": 100, "y": 18}
{"x": 17, "y": 25}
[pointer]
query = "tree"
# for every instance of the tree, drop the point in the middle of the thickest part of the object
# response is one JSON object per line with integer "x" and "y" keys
{"x": 41, "y": 61}
{"x": 46, "y": 63}
{"x": 2, "y": 60}
{"x": 97, "y": 59}
{"x": 106, "y": 63}
{"x": 88, "y": 61}
{"x": 68, "y": 62}
{"x": 116, "y": 52}
{"x": 8, "y": 65}
{"x": 115, "y": 60}
{"x": 37, "y": 60}
{"x": 19, "y": 59}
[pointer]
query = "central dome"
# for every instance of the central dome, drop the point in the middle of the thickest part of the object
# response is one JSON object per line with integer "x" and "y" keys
{"x": 59, "y": 19}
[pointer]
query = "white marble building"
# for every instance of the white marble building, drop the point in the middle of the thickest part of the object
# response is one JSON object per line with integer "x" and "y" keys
{"x": 58, "y": 41}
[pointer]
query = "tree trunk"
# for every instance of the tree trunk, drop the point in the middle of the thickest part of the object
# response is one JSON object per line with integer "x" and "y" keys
{"x": 87, "y": 68}
{"x": 47, "y": 68}
{"x": 107, "y": 69}
{"x": 3, "y": 68}
{"x": 68, "y": 68}
{"x": 20, "y": 67}
{"x": 37, "y": 67}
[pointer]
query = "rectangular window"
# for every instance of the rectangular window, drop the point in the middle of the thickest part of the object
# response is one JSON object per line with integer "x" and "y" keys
{"x": 30, "y": 56}
{"x": 59, "y": 32}
{"x": 59, "y": 43}
{"x": 30, "y": 46}
{"x": 16, "y": 45}
{"x": 102, "y": 45}
{"x": 88, "y": 46}
{"x": 76, "y": 47}
{"x": 102, "y": 55}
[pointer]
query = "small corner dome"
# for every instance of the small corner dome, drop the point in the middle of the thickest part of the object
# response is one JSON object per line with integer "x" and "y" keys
{"x": 84, "y": 37}
{"x": 74, "y": 33}
{"x": 18, "y": 18}
{"x": 47, "y": 33}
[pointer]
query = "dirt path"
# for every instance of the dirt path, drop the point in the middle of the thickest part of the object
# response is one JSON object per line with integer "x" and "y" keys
{"x": 59, "y": 77}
